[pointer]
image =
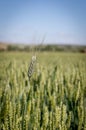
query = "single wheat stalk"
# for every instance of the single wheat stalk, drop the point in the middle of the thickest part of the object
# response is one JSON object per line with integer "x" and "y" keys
{"x": 31, "y": 66}
{"x": 33, "y": 62}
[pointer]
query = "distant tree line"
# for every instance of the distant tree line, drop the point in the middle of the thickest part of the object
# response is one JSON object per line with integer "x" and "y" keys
{"x": 41, "y": 48}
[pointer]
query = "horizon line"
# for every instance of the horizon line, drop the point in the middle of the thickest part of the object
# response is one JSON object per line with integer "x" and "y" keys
{"x": 47, "y": 43}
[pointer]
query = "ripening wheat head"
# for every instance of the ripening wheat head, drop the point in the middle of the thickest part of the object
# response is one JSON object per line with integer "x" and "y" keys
{"x": 31, "y": 66}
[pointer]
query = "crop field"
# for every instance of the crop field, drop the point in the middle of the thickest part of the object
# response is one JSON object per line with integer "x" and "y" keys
{"x": 53, "y": 98}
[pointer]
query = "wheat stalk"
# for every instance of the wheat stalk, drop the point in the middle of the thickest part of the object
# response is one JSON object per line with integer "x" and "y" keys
{"x": 31, "y": 66}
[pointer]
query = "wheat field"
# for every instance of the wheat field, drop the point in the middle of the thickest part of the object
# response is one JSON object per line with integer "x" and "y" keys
{"x": 53, "y": 99}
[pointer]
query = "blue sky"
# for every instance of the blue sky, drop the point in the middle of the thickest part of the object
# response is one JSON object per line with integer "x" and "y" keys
{"x": 28, "y": 21}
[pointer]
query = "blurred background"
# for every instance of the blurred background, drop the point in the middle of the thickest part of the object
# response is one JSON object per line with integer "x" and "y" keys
{"x": 45, "y": 25}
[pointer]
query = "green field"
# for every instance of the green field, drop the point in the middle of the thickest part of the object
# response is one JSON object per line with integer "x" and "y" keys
{"x": 53, "y": 99}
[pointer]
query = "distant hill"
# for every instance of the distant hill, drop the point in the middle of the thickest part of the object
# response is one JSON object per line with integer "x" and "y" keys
{"x": 47, "y": 47}
{"x": 3, "y": 46}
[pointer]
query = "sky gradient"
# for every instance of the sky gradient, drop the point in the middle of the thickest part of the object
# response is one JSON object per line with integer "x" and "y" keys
{"x": 28, "y": 21}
